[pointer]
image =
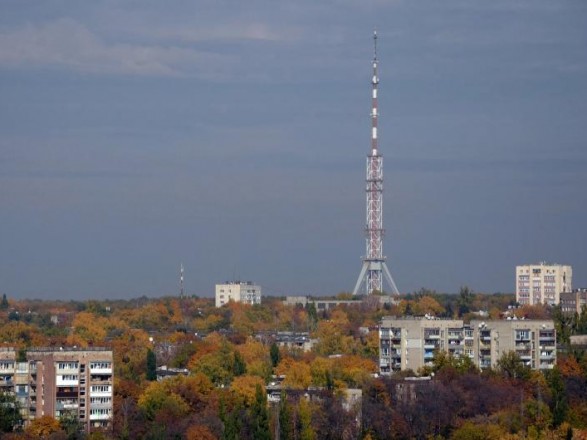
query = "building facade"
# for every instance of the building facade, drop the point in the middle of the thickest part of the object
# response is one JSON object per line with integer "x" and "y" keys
{"x": 238, "y": 291}
{"x": 573, "y": 302}
{"x": 54, "y": 382}
{"x": 410, "y": 343}
{"x": 542, "y": 283}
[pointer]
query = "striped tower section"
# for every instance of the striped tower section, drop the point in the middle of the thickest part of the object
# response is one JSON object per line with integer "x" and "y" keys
{"x": 374, "y": 267}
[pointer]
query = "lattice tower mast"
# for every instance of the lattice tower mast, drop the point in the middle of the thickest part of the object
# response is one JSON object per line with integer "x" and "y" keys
{"x": 374, "y": 267}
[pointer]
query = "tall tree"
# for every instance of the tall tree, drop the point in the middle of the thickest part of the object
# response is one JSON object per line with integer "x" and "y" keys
{"x": 275, "y": 355}
{"x": 559, "y": 404}
{"x": 239, "y": 367}
{"x": 259, "y": 416}
{"x": 4, "y": 303}
{"x": 151, "y": 365}
{"x": 285, "y": 425}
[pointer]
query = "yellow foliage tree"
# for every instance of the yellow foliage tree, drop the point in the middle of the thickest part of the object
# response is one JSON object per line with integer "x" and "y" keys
{"x": 297, "y": 373}
{"x": 245, "y": 386}
{"x": 43, "y": 427}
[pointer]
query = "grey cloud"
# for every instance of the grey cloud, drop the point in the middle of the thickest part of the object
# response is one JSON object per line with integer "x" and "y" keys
{"x": 68, "y": 44}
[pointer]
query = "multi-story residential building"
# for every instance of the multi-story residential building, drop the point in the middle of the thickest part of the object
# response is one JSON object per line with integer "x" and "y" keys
{"x": 534, "y": 341}
{"x": 238, "y": 291}
{"x": 573, "y": 302}
{"x": 54, "y": 382}
{"x": 542, "y": 283}
{"x": 410, "y": 343}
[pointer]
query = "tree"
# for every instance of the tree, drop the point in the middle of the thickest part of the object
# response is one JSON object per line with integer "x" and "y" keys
{"x": 71, "y": 425}
{"x": 285, "y": 425}
{"x": 4, "y": 303}
{"x": 9, "y": 412}
{"x": 559, "y": 404}
{"x": 275, "y": 355}
{"x": 259, "y": 416}
{"x": 238, "y": 367}
{"x": 465, "y": 300}
{"x": 43, "y": 427}
{"x": 151, "y": 365}
{"x": 511, "y": 366}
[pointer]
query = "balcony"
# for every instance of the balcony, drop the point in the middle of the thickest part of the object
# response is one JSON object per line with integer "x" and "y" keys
{"x": 99, "y": 416}
{"x": 109, "y": 370}
{"x": 60, "y": 406}
{"x": 66, "y": 394}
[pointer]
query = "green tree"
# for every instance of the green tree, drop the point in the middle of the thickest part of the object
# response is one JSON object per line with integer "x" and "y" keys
{"x": 71, "y": 425}
{"x": 285, "y": 425}
{"x": 231, "y": 425}
{"x": 259, "y": 416}
{"x": 511, "y": 366}
{"x": 275, "y": 355}
{"x": 559, "y": 404}
{"x": 4, "y": 303}
{"x": 9, "y": 412}
{"x": 465, "y": 300}
{"x": 239, "y": 367}
{"x": 151, "y": 365}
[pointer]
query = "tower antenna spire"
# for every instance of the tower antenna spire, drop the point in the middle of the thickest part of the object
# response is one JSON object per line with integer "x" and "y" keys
{"x": 181, "y": 293}
{"x": 374, "y": 267}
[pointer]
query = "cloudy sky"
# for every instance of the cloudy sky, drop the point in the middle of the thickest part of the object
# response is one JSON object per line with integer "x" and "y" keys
{"x": 231, "y": 136}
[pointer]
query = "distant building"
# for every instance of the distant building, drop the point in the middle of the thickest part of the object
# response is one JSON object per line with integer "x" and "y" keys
{"x": 54, "y": 382}
{"x": 322, "y": 304}
{"x": 411, "y": 343}
{"x": 542, "y": 283}
{"x": 238, "y": 291}
{"x": 573, "y": 302}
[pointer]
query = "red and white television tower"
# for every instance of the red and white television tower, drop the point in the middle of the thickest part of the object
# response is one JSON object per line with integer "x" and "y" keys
{"x": 374, "y": 267}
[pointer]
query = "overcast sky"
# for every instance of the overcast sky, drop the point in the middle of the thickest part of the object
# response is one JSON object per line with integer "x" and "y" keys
{"x": 231, "y": 136}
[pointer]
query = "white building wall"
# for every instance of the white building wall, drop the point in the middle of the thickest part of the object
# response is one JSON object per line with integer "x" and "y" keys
{"x": 542, "y": 283}
{"x": 246, "y": 292}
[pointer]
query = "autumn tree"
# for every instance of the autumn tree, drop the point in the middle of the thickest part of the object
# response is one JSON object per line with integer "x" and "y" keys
{"x": 43, "y": 427}
{"x": 297, "y": 373}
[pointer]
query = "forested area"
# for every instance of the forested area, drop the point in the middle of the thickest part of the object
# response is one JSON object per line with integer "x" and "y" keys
{"x": 231, "y": 357}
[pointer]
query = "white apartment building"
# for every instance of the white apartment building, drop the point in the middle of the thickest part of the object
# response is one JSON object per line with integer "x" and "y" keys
{"x": 411, "y": 342}
{"x": 542, "y": 283}
{"x": 238, "y": 291}
{"x": 55, "y": 381}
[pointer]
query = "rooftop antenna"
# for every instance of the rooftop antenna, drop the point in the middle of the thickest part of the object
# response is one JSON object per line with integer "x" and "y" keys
{"x": 374, "y": 267}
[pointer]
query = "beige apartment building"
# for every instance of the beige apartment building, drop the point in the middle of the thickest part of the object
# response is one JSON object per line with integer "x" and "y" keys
{"x": 534, "y": 341}
{"x": 542, "y": 283}
{"x": 411, "y": 342}
{"x": 238, "y": 291}
{"x": 64, "y": 380}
